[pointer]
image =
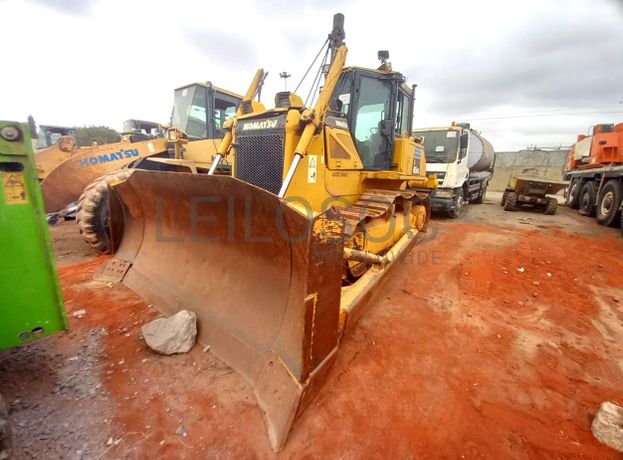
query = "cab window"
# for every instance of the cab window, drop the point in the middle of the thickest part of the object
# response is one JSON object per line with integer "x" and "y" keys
{"x": 223, "y": 109}
{"x": 189, "y": 111}
{"x": 402, "y": 113}
{"x": 373, "y": 106}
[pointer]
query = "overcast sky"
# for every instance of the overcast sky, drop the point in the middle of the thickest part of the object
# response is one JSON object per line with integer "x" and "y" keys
{"x": 524, "y": 73}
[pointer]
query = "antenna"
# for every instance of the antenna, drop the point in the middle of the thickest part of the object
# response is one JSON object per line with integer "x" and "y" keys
{"x": 285, "y": 76}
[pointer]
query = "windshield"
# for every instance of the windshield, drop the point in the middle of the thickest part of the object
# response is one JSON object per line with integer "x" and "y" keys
{"x": 223, "y": 110}
{"x": 189, "y": 111}
{"x": 42, "y": 139}
{"x": 440, "y": 146}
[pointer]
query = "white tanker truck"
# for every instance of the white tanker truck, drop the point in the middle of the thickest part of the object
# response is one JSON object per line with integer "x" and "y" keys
{"x": 463, "y": 161}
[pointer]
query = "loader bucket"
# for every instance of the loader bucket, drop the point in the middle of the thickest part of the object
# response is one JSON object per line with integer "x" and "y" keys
{"x": 262, "y": 277}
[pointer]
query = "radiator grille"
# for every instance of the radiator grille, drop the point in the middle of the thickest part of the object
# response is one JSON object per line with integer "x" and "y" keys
{"x": 259, "y": 160}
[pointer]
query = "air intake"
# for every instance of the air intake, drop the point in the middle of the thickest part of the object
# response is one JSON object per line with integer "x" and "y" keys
{"x": 246, "y": 107}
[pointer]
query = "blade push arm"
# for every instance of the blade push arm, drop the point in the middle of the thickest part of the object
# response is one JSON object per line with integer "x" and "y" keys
{"x": 223, "y": 148}
{"x": 313, "y": 118}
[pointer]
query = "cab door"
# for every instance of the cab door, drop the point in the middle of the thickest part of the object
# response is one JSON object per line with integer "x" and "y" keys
{"x": 373, "y": 121}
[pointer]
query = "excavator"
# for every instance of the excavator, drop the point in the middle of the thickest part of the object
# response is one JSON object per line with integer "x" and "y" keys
{"x": 323, "y": 202}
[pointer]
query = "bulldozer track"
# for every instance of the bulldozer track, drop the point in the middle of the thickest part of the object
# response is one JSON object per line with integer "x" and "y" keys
{"x": 374, "y": 203}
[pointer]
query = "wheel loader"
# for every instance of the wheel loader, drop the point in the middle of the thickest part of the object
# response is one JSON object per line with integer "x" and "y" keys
{"x": 199, "y": 113}
{"x": 279, "y": 259}
{"x": 200, "y": 109}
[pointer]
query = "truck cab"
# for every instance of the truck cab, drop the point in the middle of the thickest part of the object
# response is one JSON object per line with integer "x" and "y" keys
{"x": 463, "y": 162}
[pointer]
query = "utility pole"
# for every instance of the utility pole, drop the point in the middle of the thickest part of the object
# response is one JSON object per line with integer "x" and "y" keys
{"x": 285, "y": 76}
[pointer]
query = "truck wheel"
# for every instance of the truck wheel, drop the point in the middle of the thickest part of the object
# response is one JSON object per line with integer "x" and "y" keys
{"x": 93, "y": 215}
{"x": 552, "y": 206}
{"x": 504, "y": 195}
{"x": 573, "y": 194}
{"x": 481, "y": 196}
{"x": 587, "y": 199}
{"x": 511, "y": 201}
{"x": 6, "y": 434}
{"x": 456, "y": 212}
{"x": 609, "y": 203}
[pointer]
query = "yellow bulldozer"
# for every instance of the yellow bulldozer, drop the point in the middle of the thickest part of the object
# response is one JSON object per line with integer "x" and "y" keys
{"x": 278, "y": 259}
{"x": 200, "y": 109}
{"x": 199, "y": 115}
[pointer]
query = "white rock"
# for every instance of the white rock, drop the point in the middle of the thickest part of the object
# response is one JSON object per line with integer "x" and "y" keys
{"x": 79, "y": 313}
{"x": 607, "y": 425}
{"x": 176, "y": 334}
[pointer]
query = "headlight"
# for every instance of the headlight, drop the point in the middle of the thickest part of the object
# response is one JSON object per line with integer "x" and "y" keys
{"x": 444, "y": 193}
{"x": 10, "y": 133}
{"x": 172, "y": 135}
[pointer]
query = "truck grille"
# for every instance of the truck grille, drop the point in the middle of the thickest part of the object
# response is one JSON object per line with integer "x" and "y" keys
{"x": 259, "y": 160}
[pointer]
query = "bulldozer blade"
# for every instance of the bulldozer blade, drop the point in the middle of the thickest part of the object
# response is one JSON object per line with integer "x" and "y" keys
{"x": 263, "y": 277}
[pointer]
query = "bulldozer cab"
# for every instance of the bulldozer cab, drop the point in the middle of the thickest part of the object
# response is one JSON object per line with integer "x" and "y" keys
{"x": 200, "y": 110}
{"x": 378, "y": 107}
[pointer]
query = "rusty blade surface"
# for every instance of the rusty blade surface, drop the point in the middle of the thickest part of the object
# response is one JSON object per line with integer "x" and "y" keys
{"x": 66, "y": 182}
{"x": 263, "y": 278}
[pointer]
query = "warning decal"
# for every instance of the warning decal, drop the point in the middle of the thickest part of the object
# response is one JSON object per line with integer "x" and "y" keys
{"x": 14, "y": 189}
{"x": 312, "y": 168}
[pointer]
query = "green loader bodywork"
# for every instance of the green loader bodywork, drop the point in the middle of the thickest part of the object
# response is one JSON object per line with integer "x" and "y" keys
{"x": 31, "y": 304}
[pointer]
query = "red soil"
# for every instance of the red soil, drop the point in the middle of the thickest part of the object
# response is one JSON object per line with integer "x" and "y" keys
{"x": 488, "y": 343}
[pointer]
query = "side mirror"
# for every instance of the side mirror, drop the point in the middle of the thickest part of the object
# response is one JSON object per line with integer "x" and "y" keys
{"x": 464, "y": 144}
{"x": 464, "y": 140}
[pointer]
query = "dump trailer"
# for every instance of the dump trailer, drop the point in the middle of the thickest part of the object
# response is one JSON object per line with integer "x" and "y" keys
{"x": 199, "y": 114}
{"x": 279, "y": 259}
{"x": 531, "y": 192}
{"x": 463, "y": 162}
{"x": 193, "y": 104}
{"x": 595, "y": 172}
{"x": 32, "y": 304}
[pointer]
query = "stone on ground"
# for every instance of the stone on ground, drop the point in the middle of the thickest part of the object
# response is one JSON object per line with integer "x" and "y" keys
{"x": 608, "y": 425}
{"x": 175, "y": 334}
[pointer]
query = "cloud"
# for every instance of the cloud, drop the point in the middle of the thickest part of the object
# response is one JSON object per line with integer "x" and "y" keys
{"x": 551, "y": 66}
{"x": 69, "y": 7}
{"x": 223, "y": 46}
{"x": 490, "y": 61}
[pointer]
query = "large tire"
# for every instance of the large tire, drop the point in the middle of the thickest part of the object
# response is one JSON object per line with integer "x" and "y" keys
{"x": 460, "y": 201}
{"x": 587, "y": 199}
{"x": 6, "y": 434}
{"x": 511, "y": 201}
{"x": 504, "y": 195}
{"x": 481, "y": 196}
{"x": 552, "y": 206}
{"x": 573, "y": 194}
{"x": 93, "y": 215}
{"x": 609, "y": 202}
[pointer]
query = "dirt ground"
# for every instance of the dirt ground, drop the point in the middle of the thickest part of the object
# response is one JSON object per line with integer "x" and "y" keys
{"x": 499, "y": 337}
